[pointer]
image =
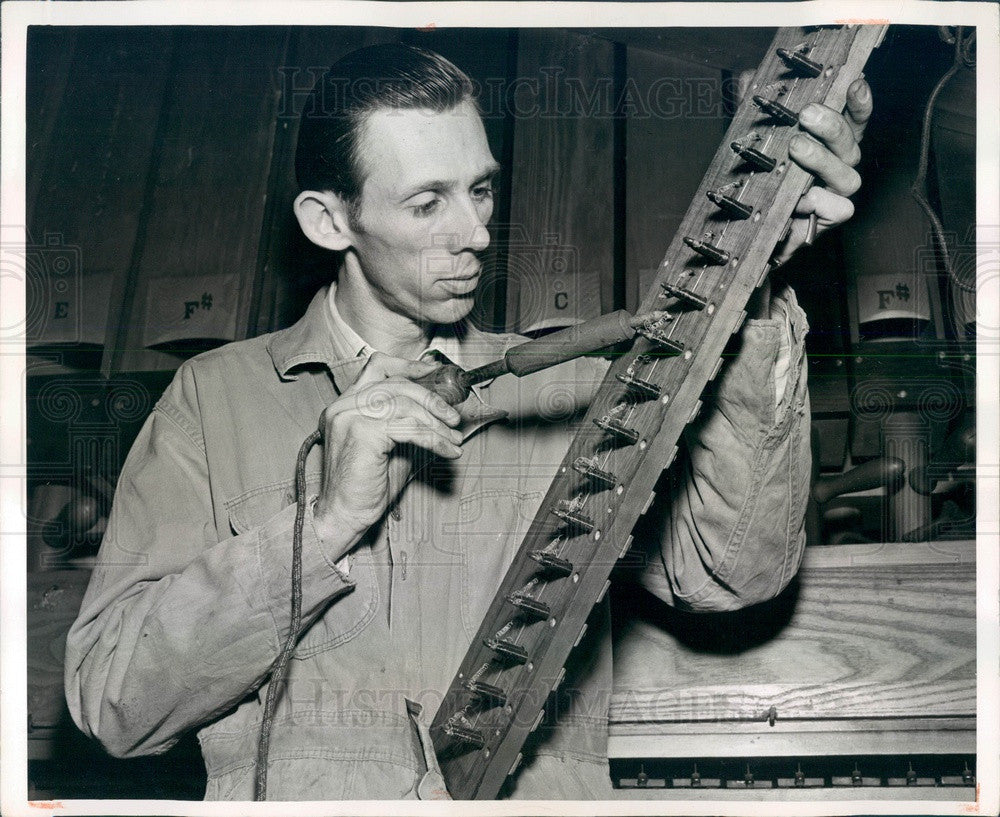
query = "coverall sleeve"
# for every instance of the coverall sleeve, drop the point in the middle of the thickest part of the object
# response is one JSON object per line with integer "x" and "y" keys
{"x": 177, "y": 626}
{"x": 729, "y": 530}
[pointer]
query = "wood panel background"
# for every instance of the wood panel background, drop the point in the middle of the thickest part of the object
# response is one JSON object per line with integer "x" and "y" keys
{"x": 92, "y": 110}
{"x": 207, "y": 202}
{"x": 51, "y": 50}
{"x": 562, "y": 188}
{"x": 669, "y": 148}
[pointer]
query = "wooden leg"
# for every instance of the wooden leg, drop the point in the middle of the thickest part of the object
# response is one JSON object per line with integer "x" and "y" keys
{"x": 906, "y": 435}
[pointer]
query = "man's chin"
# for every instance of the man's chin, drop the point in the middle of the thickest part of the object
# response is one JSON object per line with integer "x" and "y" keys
{"x": 453, "y": 310}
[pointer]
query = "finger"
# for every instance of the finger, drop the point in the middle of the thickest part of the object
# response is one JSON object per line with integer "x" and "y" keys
{"x": 824, "y": 165}
{"x": 385, "y": 404}
{"x": 379, "y": 391}
{"x": 830, "y": 208}
{"x": 796, "y": 238}
{"x": 833, "y": 130}
{"x": 379, "y": 435}
{"x": 417, "y": 433}
{"x": 430, "y": 400}
{"x": 859, "y": 106}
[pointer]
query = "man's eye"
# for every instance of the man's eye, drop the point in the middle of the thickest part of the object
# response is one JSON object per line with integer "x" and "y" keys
{"x": 427, "y": 207}
{"x": 482, "y": 193}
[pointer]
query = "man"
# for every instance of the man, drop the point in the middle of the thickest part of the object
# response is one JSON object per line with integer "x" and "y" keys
{"x": 414, "y": 508}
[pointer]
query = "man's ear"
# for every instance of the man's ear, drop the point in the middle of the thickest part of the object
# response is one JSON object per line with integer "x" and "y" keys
{"x": 324, "y": 220}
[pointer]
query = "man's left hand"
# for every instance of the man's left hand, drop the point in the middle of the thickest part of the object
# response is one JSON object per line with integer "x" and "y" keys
{"x": 829, "y": 150}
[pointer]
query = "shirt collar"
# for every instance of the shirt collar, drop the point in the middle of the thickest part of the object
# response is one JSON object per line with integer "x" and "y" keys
{"x": 346, "y": 341}
{"x": 444, "y": 343}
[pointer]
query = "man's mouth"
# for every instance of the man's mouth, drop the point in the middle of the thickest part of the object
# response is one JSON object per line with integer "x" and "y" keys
{"x": 465, "y": 280}
{"x": 461, "y": 284}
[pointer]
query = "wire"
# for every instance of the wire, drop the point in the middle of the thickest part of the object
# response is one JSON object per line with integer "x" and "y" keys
{"x": 963, "y": 56}
{"x": 281, "y": 663}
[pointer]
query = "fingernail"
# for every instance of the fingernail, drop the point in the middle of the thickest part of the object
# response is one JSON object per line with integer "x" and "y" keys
{"x": 800, "y": 144}
{"x": 446, "y": 408}
{"x": 809, "y": 115}
{"x": 811, "y": 230}
{"x": 456, "y": 436}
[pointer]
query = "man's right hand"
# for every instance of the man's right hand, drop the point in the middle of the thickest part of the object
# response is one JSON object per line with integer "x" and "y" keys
{"x": 382, "y": 409}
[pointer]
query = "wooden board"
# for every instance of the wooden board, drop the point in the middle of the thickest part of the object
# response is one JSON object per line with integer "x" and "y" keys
{"x": 883, "y": 631}
{"x": 829, "y": 738}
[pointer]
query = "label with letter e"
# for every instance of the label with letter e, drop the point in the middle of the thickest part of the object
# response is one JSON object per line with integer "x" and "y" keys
{"x": 70, "y": 311}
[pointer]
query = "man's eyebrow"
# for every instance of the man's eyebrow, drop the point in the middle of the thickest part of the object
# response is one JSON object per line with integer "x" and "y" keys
{"x": 443, "y": 184}
{"x": 489, "y": 173}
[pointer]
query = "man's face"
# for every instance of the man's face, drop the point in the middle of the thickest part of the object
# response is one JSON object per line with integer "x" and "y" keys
{"x": 425, "y": 201}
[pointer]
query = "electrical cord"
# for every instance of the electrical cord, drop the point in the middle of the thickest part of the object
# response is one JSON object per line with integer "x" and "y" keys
{"x": 281, "y": 663}
{"x": 963, "y": 56}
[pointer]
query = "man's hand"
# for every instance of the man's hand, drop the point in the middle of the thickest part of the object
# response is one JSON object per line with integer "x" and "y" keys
{"x": 360, "y": 430}
{"x": 830, "y": 152}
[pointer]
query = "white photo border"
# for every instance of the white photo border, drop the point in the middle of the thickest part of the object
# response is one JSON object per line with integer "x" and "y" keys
{"x": 17, "y": 16}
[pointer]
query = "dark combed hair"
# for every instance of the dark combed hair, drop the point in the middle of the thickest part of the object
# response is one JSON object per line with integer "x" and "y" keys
{"x": 393, "y": 76}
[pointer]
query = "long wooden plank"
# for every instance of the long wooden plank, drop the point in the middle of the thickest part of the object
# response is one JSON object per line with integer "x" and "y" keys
{"x": 828, "y": 739}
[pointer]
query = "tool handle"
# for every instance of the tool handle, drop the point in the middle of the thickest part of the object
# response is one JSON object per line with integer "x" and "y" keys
{"x": 570, "y": 343}
{"x": 453, "y": 383}
{"x": 449, "y": 381}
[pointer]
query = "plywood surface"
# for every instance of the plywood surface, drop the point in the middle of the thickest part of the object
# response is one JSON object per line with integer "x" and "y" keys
{"x": 866, "y": 632}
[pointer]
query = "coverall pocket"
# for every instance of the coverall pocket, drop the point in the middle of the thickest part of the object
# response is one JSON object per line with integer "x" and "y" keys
{"x": 351, "y": 613}
{"x": 491, "y": 526}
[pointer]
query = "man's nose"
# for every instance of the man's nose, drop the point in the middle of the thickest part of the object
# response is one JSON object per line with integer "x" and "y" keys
{"x": 480, "y": 238}
{"x": 468, "y": 228}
